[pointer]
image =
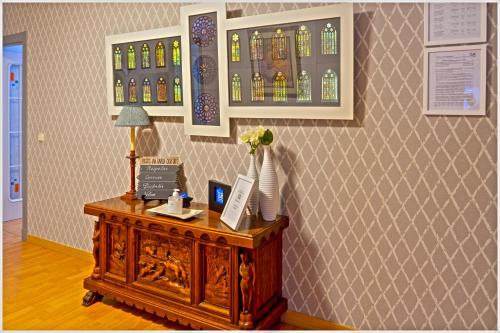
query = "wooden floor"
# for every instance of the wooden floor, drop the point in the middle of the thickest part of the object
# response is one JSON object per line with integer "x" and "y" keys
{"x": 43, "y": 290}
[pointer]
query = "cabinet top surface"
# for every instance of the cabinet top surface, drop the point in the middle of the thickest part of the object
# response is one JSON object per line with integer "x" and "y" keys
{"x": 251, "y": 227}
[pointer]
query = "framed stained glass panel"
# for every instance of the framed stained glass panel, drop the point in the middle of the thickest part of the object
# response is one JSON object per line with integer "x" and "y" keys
{"x": 205, "y": 60}
{"x": 155, "y": 61}
{"x": 304, "y": 67}
{"x": 294, "y": 64}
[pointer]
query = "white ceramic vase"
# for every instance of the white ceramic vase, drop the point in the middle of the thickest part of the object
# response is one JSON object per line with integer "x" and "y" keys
{"x": 253, "y": 201}
{"x": 268, "y": 187}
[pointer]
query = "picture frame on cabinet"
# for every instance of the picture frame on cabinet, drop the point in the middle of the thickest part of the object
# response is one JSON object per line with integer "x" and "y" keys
{"x": 234, "y": 210}
{"x": 155, "y": 86}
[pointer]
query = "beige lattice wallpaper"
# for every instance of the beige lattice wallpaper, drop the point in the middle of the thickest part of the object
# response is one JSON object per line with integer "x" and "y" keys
{"x": 393, "y": 215}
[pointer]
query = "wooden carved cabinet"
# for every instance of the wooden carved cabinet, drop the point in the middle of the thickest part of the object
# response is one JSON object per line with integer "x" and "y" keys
{"x": 197, "y": 272}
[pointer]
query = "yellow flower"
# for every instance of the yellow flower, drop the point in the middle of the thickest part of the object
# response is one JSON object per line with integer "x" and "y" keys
{"x": 259, "y": 131}
{"x": 245, "y": 137}
{"x": 255, "y": 139}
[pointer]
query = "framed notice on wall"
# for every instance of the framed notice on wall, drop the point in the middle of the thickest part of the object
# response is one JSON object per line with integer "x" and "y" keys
{"x": 455, "y": 80}
{"x": 454, "y": 23}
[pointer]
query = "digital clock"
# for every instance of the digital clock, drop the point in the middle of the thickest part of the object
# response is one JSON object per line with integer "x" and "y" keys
{"x": 218, "y": 193}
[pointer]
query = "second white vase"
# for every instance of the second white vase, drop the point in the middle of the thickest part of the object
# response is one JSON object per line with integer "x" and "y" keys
{"x": 268, "y": 187}
{"x": 253, "y": 201}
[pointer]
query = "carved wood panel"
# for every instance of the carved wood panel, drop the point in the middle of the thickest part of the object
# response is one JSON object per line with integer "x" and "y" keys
{"x": 267, "y": 257}
{"x": 117, "y": 240}
{"x": 96, "y": 273}
{"x": 217, "y": 277}
{"x": 164, "y": 262}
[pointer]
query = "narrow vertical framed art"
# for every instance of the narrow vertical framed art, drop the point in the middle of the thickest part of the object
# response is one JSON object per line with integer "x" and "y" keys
{"x": 204, "y": 62}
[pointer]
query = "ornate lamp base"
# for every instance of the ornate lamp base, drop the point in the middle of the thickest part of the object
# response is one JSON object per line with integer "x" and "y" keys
{"x": 131, "y": 195}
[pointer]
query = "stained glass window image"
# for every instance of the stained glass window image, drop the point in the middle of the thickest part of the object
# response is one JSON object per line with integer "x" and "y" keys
{"x": 329, "y": 39}
{"x": 279, "y": 88}
{"x": 146, "y": 91}
{"x": 145, "y": 63}
{"x": 279, "y": 45}
{"x": 117, "y": 55}
{"x": 119, "y": 98}
{"x": 160, "y": 54}
{"x": 205, "y": 108}
{"x": 177, "y": 90}
{"x": 235, "y": 48}
{"x": 176, "y": 53}
{"x": 131, "y": 57}
{"x": 203, "y": 31}
{"x": 236, "y": 88}
{"x": 303, "y": 41}
{"x": 304, "y": 87}
{"x": 205, "y": 69}
{"x": 132, "y": 91}
{"x": 257, "y": 88}
{"x": 161, "y": 90}
{"x": 329, "y": 86}
{"x": 256, "y": 46}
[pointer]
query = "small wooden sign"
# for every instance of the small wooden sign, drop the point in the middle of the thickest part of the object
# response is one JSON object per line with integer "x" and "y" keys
{"x": 158, "y": 177}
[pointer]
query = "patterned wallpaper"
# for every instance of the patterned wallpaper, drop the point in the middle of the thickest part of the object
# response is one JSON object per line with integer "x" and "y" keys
{"x": 393, "y": 215}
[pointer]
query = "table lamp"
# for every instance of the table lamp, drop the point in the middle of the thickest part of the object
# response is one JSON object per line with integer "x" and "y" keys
{"x": 132, "y": 116}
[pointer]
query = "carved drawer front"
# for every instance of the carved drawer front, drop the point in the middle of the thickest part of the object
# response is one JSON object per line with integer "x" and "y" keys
{"x": 217, "y": 275}
{"x": 116, "y": 251}
{"x": 163, "y": 263}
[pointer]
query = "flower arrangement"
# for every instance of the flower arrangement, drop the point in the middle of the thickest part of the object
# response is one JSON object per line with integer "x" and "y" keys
{"x": 256, "y": 137}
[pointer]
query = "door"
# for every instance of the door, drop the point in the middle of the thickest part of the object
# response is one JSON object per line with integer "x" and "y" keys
{"x": 12, "y": 131}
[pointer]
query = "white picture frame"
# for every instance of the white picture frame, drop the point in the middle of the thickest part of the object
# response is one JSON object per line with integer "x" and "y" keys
{"x": 223, "y": 129}
{"x": 448, "y": 57}
{"x": 113, "y": 110}
{"x": 453, "y": 26}
{"x": 346, "y": 109}
{"x": 235, "y": 210}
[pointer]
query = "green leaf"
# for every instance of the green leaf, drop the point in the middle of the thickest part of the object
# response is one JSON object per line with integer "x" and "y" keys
{"x": 267, "y": 138}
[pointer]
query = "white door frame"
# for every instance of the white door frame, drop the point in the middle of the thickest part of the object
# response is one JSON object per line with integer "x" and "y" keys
{"x": 21, "y": 38}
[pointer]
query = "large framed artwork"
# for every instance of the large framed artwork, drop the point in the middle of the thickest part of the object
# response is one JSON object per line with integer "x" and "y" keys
{"x": 144, "y": 68}
{"x": 295, "y": 64}
{"x": 204, "y": 62}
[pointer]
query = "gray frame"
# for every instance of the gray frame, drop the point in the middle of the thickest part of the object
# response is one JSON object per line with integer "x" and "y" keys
{"x": 21, "y": 38}
{"x": 315, "y": 65}
{"x": 208, "y": 88}
{"x": 169, "y": 72}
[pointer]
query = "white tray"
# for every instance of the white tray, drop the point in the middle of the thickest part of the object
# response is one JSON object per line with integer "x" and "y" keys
{"x": 186, "y": 212}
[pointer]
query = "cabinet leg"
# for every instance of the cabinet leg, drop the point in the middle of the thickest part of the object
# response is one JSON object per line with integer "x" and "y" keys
{"x": 90, "y": 298}
{"x": 246, "y": 322}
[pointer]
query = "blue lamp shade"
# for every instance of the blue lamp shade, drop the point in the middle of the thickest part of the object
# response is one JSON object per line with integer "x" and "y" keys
{"x": 131, "y": 116}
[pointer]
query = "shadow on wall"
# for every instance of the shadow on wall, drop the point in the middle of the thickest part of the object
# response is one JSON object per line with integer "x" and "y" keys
{"x": 297, "y": 240}
{"x": 148, "y": 140}
{"x": 149, "y": 144}
{"x": 311, "y": 267}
